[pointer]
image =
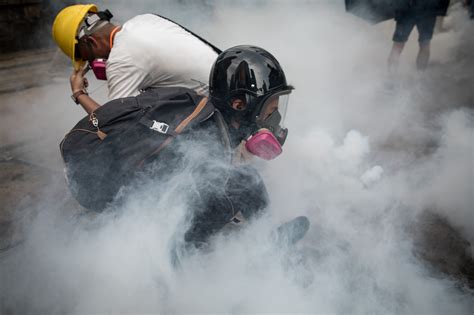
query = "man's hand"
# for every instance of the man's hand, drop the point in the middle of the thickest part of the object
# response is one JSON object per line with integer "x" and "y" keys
{"x": 241, "y": 155}
{"x": 77, "y": 79}
{"x": 79, "y": 83}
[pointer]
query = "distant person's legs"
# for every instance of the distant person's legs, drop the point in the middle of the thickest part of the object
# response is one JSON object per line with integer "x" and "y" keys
{"x": 394, "y": 57}
{"x": 403, "y": 29}
{"x": 472, "y": 9}
{"x": 440, "y": 26}
{"x": 423, "y": 56}
{"x": 425, "y": 26}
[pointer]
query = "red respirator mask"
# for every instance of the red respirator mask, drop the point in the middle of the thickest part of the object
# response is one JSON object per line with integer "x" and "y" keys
{"x": 264, "y": 144}
{"x": 98, "y": 67}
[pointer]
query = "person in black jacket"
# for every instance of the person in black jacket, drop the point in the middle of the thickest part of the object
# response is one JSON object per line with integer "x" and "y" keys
{"x": 469, "y": 4}
{"x": 422, "y": 14}
{"x": 148, "y": 141}
{"x": 248, "y": 88}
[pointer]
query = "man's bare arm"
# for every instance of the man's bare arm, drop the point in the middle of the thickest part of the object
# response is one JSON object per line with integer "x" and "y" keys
{"x": 79, "y": 83}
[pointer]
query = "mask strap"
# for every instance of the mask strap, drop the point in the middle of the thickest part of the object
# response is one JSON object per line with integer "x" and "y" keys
{"x": 112, "y": 35}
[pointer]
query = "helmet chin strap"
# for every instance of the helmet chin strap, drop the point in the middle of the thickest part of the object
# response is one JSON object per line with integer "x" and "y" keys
{"x": 94, "y": 22}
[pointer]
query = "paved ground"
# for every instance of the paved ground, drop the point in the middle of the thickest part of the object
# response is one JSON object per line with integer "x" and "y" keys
{"x": 33, "y": 122}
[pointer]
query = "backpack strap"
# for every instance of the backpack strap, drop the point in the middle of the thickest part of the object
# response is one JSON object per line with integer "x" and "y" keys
{"x": 193, "y": 115}
{"x": 181, "y": 126}
{"x": 158, "y": 126}
{"x": 216, "y": 50}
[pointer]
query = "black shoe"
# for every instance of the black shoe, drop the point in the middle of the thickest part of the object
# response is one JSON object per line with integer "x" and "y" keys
{"x": 291, "y": 232}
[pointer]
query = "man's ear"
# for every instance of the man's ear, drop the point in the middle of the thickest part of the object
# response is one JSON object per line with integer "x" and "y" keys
{"x": 238, "y": 104}
{"x": 92, "y": 41}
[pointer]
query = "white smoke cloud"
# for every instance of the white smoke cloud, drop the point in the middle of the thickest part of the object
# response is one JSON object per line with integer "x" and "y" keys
{"x": 366, "y": 154}
{"x": 452, "y": 172}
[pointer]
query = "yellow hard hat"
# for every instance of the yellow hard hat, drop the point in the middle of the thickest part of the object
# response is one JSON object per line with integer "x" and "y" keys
{"x": 65, "y": 27}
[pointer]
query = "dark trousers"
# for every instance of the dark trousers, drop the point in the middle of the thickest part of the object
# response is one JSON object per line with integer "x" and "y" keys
{"x": 472, "y": 9}
{"x": 424, "y": 23}
{"x": 242, "y": 190}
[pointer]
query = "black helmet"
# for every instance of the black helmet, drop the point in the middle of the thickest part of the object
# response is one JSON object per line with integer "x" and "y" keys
{"x": 247, "y": 72}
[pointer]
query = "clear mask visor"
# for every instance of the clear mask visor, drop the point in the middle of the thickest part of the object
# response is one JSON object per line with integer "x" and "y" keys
{"x": 273, "y": 112}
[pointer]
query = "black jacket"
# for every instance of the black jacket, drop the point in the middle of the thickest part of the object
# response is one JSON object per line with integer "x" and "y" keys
{"x": 421, "y": 7}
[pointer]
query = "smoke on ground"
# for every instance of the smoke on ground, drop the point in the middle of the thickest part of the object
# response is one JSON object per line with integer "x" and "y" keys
{"x": 367, "y": 153}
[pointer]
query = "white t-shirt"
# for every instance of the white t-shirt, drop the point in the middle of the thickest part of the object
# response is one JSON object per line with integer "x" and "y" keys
{"x": 150, "y": 51}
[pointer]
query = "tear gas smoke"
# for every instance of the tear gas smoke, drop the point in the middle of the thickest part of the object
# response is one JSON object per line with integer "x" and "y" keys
{"x": 366, "y": 154}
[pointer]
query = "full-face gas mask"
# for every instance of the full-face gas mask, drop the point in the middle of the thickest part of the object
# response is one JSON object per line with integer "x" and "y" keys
{"x": 92, "y": 23}
{"x": 253, "y": 75}
{"x": 268, "y": 134}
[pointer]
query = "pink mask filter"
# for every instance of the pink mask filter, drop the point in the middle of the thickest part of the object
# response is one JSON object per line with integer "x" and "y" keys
{"x": 98, "y": 66}
{"x": 264, "y": 145}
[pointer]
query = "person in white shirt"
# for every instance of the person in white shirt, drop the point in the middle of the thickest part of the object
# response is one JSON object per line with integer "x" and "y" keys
{"x": 145, "y": 52}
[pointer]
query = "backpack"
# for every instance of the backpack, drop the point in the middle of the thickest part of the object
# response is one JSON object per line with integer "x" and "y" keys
{"x": 103, "y": 150}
